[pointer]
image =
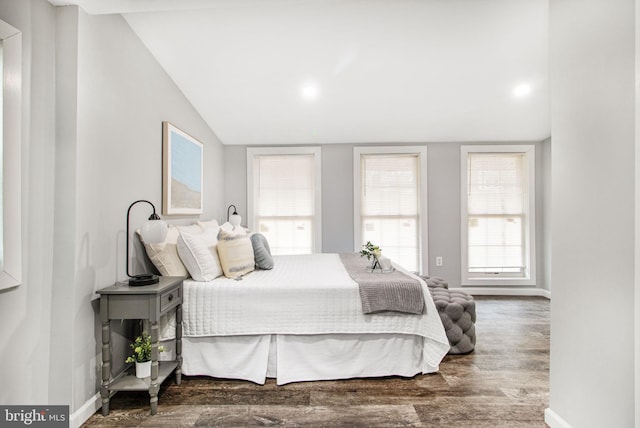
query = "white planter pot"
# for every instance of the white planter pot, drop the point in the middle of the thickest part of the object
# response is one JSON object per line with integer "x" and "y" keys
{"x": 143, "y": 369}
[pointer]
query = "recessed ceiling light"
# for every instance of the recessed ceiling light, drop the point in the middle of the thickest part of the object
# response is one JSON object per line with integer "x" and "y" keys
{"x": 522, "y": 90}
{"x": 309, "y": 92}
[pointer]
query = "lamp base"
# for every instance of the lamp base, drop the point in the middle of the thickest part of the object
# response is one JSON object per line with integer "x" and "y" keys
{"x": 146, "y": 279}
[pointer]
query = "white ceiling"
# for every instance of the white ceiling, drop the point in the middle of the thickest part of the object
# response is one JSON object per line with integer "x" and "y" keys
{"x": 391, "y": 71}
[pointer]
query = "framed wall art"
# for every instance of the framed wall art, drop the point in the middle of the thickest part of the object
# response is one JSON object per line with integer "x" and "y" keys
{"x": 182, "y": 160}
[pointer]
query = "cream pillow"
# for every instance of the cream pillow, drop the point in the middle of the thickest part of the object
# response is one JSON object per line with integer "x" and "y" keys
{"x": 191, "y": 228}
{"x": 236, "y": 253}
{"x": 199, "y": 253}
{"x": 164, "y": 255}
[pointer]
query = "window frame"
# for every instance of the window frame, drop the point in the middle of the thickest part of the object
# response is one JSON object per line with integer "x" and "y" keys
{"x": 11, "y": 265}
{"x": 500, "y": 279}
{"x": 423, "y": 238}
{"x": 252, "y": 152}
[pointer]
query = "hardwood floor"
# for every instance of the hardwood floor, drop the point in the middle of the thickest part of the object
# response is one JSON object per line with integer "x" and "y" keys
{"x": 503, "y": 383}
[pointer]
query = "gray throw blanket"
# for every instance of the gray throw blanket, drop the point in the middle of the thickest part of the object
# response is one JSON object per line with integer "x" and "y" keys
{"x": 380, "y": 292}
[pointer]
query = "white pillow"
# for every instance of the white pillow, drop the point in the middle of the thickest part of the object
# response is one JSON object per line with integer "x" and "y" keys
{"x": 164, "y": 255}
{"x": 211, "y": 224}
{"x": 199, "y": 253}
{"x": 236, "y": 253}
{"x": 226, "y": 226}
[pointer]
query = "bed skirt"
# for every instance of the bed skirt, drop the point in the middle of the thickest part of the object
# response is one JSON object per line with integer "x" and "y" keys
{"x": 297, "y": 358}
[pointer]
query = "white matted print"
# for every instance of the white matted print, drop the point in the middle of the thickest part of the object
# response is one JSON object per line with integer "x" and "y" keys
{"x": 182, "y": 157}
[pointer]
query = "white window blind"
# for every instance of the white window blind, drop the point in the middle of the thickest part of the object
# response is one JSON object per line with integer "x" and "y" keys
{"x": 285, "y": 201}
{"x": 498, "y": 215}
{"x": 389, "y": 206}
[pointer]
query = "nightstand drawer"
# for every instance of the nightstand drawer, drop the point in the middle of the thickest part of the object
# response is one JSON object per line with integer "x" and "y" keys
{"x": 170, "y": 299}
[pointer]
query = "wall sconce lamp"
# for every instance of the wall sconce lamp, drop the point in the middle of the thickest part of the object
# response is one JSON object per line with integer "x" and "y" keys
{"x": 153, "y": 231}
{"x": 235, "y": 218}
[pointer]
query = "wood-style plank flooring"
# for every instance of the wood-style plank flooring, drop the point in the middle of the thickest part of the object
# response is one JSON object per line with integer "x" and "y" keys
{"x": 503, "y": 383}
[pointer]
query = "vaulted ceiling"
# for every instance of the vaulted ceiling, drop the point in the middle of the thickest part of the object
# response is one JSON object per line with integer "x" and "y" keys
{"x": 352, "y": 71}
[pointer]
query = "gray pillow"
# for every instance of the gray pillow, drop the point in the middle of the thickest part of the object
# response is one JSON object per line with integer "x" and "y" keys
{"x": 261, "y": 251}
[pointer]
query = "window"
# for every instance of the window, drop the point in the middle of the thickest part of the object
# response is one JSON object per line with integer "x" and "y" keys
{"x": 498, "y": 209}
{"x": 10, "y": 160}
{"x": 1, "y": 168}
{"x": 283, "y": 186}
{"x": 390, "y": 209}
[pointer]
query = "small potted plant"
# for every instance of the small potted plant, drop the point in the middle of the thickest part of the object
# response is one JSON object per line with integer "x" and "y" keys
{"x": 142, "y": 355}
{"x": 370, "y": 250}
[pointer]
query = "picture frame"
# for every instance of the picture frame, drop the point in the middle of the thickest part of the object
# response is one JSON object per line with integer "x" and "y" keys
{"x": 182, "y": 170}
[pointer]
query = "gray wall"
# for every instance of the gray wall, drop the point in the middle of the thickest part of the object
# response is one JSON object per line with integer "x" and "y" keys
{"x": 87, "y": 154}
{"x": 592, "y": 70}
{"x": 25, "y": 311}
{"x": 118, "y": 159}
{"x": 443, "y": 164}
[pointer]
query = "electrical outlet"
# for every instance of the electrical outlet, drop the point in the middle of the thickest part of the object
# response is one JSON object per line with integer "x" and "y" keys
{"x": 439, "y": 261}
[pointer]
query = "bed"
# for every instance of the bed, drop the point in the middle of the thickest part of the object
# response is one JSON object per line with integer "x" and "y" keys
{"x": 302, "y": 320}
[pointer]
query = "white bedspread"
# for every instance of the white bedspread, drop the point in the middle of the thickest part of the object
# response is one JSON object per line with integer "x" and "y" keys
{"x": 303, "y": 294}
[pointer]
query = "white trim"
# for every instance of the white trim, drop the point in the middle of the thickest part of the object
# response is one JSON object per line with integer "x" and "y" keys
{"x": 552, "y": 419}
{"x": 80, "y": 416}
{"x": 505, "y": 291}
{"x": 11, "y": 274}
{"x": 421, "y": 151}
{"x": 317, "y": 157}
{"x": 636, "y": 281}
{"x": 529, "y": 151}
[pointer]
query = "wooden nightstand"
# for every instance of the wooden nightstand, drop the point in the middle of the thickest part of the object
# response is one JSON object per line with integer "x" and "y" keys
{"x": 121, "y": 301}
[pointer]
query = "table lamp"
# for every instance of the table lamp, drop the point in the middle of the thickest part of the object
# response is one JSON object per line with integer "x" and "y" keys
{"x": 153, "y": 231}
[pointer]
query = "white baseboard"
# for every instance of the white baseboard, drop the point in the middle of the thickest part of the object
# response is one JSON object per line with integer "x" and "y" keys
{"x": 80, "y": 416}
{"x": 552, "y": 419}
{"x": 505, "y": 291}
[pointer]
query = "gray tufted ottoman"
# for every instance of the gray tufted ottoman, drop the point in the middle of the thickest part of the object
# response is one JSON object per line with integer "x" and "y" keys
{"x": 434, "y": 281}
{"x": 457, "y": 311}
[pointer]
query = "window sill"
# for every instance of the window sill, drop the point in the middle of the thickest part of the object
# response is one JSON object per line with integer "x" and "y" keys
{"x": 8, "y": 281}
{"x": 498, "y": 282}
